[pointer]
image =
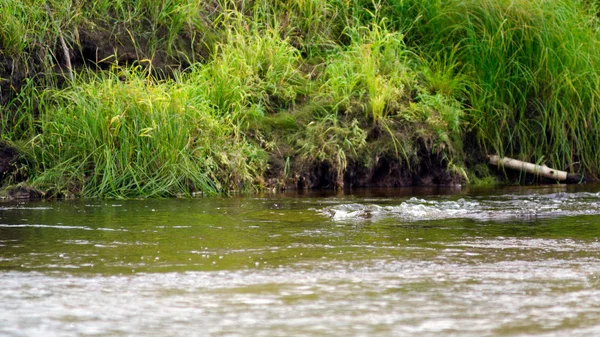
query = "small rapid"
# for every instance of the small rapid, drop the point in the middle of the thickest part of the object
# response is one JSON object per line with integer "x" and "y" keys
{"x": 502, "y": 207}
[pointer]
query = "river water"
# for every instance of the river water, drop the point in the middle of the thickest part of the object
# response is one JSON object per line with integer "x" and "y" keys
{"x": 406, "y": 262}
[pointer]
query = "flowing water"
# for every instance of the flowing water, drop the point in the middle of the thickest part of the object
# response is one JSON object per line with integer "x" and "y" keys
{"x": 508, "y": 262}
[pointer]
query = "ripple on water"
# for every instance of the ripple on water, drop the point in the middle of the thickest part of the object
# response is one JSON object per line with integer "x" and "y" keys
{"x": 330, "y": 298}
{"x": 22, "y": 207}
{"x": 471, "y": 282}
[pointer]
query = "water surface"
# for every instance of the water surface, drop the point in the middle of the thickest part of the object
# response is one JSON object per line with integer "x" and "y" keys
{"x": 411, "y": 262}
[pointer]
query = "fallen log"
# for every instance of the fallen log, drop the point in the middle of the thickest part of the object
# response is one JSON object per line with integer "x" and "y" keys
{"x": 540, "y": 170}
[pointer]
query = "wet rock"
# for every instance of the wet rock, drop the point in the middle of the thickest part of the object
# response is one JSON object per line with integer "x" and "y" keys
{"x": 24, "y": 192}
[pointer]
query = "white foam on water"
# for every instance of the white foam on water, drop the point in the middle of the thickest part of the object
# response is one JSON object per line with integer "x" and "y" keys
{"x": 490, "y": 208}
{"x": 44, "y": 226}
{"x": 10, "y": 208}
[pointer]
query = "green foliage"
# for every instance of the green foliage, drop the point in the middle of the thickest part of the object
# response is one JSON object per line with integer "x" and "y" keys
{"x": 23, "y": 24}
{"x": 438, "y": 122}
{"x": 376, "y": 64}
{"x": 180, "y": 29}
{"x": 531, "y": 67}
{"x": 375, "y": 79}
{"x": 252, "y": 70}
{"x": 18, "y": 122}
{"x": 330, "y": 141}
{"x": 106, "y": 137}
{"x": 310, "y": 81}
{"x": 480, "y": 175}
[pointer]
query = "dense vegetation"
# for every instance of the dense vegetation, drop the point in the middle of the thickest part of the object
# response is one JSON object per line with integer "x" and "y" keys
{"x": 162, "y": 98}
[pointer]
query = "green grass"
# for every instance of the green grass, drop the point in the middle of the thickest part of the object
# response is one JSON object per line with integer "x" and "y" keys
{"x": 254, "y": 70}
{"x": 214, "y": 96}
{"x": 531, "y": 70}
{"x": 108, "y": 137}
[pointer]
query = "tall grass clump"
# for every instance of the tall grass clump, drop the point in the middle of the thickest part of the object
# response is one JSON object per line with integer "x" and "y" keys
{"x": 173, "y": 31}
{"x": 18, "y": 122}
{"x": 376, "y": 79}
{"x": 138, "y": 137}
{"x": 171, "y": 34}
{"x": 252, "y": 72}
{"x": 28, "y": 43}
{"x": 533, "y": 70}
{"x": 26, "y": 25}
{"x": 315, "y": 27}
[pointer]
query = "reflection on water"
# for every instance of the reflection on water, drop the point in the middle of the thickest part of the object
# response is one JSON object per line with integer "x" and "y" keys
{"x": 373, "y": 263}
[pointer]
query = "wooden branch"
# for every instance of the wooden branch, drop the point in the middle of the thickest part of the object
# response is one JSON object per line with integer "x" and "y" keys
{"x": 65, "y": 49}
{"x": 540, "y": 170}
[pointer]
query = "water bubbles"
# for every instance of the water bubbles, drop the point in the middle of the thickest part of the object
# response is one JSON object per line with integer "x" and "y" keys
{"x": 352, "y": 211}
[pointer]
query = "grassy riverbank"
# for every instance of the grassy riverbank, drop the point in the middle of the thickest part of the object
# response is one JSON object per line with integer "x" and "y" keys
{"x": 181, "y": 96}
